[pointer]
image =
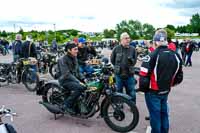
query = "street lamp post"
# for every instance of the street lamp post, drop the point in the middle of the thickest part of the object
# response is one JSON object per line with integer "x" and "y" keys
{"x": 14, "y": 28}
{"x": 54, "y": 30}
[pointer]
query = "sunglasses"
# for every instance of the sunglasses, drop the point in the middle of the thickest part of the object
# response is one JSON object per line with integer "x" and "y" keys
{"x": 127, "y": 38}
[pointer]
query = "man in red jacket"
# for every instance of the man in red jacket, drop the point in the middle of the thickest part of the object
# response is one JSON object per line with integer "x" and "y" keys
{"x": 171, "y": 45}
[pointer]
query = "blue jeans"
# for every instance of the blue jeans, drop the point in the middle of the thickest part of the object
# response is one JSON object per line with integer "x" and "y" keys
{"x": 87, "y": 68}
{"x": 188, "y": 59}
{"x": 34, "y": 67}
{"x": 129, "y": 85}
{"x": 158, "y": 110}
{"x": 15, "y": 57}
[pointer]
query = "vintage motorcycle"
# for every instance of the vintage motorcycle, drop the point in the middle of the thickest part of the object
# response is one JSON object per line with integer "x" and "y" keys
{"x": 8, "y": 73}
{"x": 27, "y": 74}
{"x": 5, "y": 127}
{"x": 47, "y": 63}
{"x": 118, "y": 110}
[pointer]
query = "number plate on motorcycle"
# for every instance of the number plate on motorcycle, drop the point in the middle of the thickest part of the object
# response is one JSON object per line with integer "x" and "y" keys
{"x": 25, "y": 62}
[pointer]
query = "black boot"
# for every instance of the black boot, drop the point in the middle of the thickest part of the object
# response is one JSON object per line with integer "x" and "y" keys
{"x": 69, "y": 109}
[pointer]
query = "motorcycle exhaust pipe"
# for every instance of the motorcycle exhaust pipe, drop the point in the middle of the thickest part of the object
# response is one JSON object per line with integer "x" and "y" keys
{"x": 52, "y": 108}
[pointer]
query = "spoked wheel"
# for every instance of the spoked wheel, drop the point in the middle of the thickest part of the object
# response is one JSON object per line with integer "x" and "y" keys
{"x": 30, "y": 80}
{"x": 13, "y": 75}
{"x": 53, "y": 70}
{"x": 53, "y": 95}
{"x": 53, "y": 99}
{"x": 121, "y": 114}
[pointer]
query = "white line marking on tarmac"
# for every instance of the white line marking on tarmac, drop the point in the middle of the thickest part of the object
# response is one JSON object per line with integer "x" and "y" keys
{"x": 132, "y": 132}
{"x": 148, "y": 129}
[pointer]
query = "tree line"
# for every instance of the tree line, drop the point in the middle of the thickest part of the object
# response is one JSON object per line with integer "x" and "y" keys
{"x": 135, "y": 28}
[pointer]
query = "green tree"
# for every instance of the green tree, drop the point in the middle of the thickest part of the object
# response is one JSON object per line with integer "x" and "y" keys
{"x": 73, "y": 32}
{"x": 109, "y": 33}
{"x": 82, "y": 35}
{"x": 170, "y": 33}
{"x": 171, "y": 27}
{"x": 189, "y": 28}
{"x": 4, "y": 34}
{"x": 133, "y": 28}
{"x": 181, "y": 29}
{"x": 148, "y": 31}
{"x": 195, "y": 23}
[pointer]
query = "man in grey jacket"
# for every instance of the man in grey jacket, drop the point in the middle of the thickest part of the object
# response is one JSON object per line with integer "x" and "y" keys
{"x": 124, "y": 58}
{"x": 70, "y": 77}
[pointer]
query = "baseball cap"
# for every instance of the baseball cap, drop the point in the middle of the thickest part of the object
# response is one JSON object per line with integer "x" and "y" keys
{"x": 160, "y": 36}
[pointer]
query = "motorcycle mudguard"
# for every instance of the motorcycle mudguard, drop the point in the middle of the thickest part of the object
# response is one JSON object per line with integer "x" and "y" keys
{"x": 117, "y": 94}
{"x": 42, "y": 86}
{"x": 52, "y": 108}
{"x": 54, "y": 82}
{"x": 114, "y": 95}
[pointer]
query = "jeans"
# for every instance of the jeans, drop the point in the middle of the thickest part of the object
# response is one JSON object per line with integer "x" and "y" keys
{"x": 87, "y": 68}
{"x": 158, "y": 110}
{"x": 34, "y": 72}
{"x": 129, "y": 85}
{"x": 76, "y": 90}
{"x": 7, "y": 49}
{"x": 188, "y": 59}
{"x": 16, "y": 57}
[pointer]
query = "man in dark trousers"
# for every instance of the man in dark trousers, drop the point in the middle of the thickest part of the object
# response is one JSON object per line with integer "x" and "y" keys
{"x": 124, "y": 57}
{"x": 189, "y": 50}
{"x": 160, "y": 70}
{"x": 70, "y": 76}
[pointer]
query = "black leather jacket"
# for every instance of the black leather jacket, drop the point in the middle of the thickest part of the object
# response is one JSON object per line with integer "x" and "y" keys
{"x": 69, "y": 69}
{"x": 124, "y": 59}
{"x": 29, "y": 50}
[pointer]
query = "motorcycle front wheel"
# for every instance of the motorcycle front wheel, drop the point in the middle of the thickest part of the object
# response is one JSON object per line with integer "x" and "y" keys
{"x": 120, "y": 114}
{"x": 30, "y": 80}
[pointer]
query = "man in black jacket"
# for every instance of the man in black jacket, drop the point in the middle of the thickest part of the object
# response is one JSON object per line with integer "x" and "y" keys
{"x": 83, "y": 57}
{"x": 28, "y": 48}
{"x": 70, "y": 76}
{"x": 159, "y": 71}
{"x": 124, "y": 57}
{"x": 17, "y": 48}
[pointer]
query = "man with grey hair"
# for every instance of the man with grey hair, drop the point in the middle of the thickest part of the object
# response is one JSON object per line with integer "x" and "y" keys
{"x": 17, "y": 47}
{"x": 124, "y": 57}
{"x": 160, "y": 70}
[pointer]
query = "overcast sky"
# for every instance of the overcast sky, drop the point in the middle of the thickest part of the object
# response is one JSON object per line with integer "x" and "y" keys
{"x": 93, "y": 15}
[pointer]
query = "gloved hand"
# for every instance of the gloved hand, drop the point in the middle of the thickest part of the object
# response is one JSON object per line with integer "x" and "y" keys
{"x": 85, "y": 80}
{"x": 81, "y": 83}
